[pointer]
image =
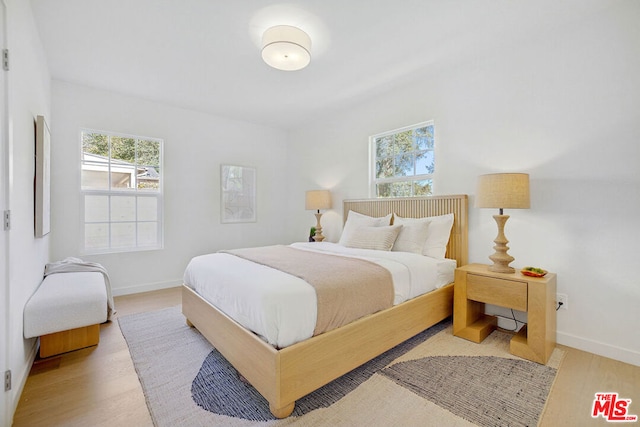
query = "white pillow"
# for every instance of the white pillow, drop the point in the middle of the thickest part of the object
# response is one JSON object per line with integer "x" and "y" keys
{"x": 412, "y": 236}
{"x": 355, "y": 220}
{"x": 438, "y": 232}
{"x": 379, "y": 238}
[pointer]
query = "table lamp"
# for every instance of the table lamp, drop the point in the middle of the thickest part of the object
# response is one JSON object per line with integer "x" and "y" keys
{"x": 316, "y": 200}
{"x": 502, "y": 191}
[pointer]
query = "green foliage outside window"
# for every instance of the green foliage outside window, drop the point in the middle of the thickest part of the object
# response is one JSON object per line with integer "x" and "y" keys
{"x": 143, "y": 155}
{"x": 404, "y": 162}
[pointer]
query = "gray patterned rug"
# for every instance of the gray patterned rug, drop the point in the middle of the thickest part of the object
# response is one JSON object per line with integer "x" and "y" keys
{"x": 432, "y": 379}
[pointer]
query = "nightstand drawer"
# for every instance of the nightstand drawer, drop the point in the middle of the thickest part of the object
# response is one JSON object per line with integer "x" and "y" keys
{"x": 502, "y": 292}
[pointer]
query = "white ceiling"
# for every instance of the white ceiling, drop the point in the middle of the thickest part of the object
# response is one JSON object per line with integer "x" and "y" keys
{"x": 205, "y": 54}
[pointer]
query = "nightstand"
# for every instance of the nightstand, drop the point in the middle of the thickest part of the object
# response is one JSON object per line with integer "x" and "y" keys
{"x": 475, "y": 285}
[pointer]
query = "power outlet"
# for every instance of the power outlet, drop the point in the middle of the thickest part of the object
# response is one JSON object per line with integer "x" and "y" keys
{"x": 564, "y": 300}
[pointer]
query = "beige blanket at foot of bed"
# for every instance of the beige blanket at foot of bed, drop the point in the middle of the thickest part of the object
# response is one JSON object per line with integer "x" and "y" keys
{"x": 346, "y": 288}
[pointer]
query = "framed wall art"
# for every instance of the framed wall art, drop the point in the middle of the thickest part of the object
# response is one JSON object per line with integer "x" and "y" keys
{"x": 238, "y": 192}
{"x": 43, "y": 178}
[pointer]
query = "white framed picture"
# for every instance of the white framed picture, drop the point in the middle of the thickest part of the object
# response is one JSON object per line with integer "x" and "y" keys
{"x": 43, "y": 178}
{"x": 238, "y": 193}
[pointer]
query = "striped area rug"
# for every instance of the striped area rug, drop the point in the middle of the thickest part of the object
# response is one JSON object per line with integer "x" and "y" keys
{"x": 434, "y": 379}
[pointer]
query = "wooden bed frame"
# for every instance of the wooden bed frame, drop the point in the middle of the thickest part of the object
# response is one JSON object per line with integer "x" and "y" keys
{"x": 285, "y": 375}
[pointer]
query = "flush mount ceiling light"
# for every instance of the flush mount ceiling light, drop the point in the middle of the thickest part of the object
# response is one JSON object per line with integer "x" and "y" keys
{"x": 286, "y": 48}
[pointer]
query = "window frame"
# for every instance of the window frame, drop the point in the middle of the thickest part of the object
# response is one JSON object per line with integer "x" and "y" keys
{"x": 374, "y": 182}
{"x": 115, "y": 192}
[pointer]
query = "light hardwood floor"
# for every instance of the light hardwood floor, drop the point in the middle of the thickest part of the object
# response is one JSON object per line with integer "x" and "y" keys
{"x": 99, "y": 386}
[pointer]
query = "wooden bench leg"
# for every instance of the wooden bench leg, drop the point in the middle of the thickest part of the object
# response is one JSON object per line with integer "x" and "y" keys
{"x": 73, "y": 339}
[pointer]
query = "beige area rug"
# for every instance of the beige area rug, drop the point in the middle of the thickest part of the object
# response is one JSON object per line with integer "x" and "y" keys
{"x": 434, "y": 379}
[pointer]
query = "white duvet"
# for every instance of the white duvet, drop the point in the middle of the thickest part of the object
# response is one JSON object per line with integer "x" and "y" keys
{"x": 282, "y": 308}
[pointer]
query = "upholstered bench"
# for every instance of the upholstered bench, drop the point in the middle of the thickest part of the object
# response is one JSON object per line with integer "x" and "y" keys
{"x": 66, "y": 311}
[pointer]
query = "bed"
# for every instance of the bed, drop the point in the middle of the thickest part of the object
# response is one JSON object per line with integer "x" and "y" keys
{"x": 283, "y": 375}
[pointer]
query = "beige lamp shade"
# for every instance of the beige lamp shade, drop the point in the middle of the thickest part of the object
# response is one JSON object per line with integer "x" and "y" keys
{"x": 286, "y": 48}
{"x": 503, "y": 191}
{"x": 318, "y": 199}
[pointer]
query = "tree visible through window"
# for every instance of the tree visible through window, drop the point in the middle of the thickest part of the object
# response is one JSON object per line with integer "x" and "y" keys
{"x": 121, "y": 186}
{"x": 403, "y": 161}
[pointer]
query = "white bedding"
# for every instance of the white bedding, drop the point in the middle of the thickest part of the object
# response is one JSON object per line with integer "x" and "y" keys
{"x": 282, "y": 308}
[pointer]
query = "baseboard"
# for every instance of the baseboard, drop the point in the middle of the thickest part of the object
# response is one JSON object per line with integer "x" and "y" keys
{"x": 601, "y": 349}
{"x": 146, "y": 287}
{"x": 22, "y": 378}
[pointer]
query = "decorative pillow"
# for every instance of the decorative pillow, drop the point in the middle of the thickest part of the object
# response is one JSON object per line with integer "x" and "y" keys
{"x": 356, "y": 220}
{"x": 379, "y": 238}
{"x": 438, "y": 232}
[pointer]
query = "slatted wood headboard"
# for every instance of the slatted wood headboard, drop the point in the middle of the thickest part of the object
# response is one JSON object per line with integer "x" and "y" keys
{"x": 418, "y": 207}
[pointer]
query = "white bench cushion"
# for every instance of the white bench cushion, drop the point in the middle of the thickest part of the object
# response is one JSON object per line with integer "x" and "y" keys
{"x": 66, "y": 301}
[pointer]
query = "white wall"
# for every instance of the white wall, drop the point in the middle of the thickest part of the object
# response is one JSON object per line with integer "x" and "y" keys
{"x": 28, "y": 97}
{"x": 195, "y": 145}
{"x": 563, "y": 109}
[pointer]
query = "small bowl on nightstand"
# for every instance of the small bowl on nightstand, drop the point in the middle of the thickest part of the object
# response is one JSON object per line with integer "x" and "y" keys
{"x": 533, "y": 272}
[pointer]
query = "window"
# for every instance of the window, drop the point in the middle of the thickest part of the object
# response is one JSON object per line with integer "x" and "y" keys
{"x": 121, "y": 186}
{"x": 403, "y": 161}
